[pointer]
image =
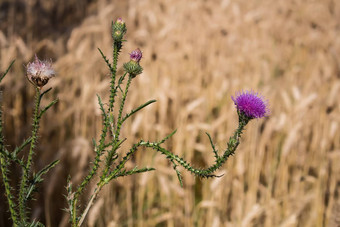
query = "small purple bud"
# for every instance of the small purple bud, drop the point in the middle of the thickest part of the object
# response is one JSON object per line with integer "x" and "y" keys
{"x": 136, "y": 55}
{"x": 39, "y": 72}
{"x": 251, "y": 104}
{"x": 120, "y": 21}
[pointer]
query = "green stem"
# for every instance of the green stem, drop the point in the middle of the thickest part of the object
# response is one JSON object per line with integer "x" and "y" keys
{"x": 9, "y": 67}
{"x": 104, "y": 181}
{"x": 95, "y": 164}
{"x": 111, "y": 154}
{"x": 100, "y": 185}
{"x": 8, "y": 191}
{"x": 26, "y": 171}
{"x": 113, "y": 90}
{"x": 101, "y": 147}
{"x": 208, "y": 172}
{"x": 4, "y": 170}
{"x": 93, "y": 171}
{"x": 88, "y": 206}
{"x": 122, "y": 163}
{"x": 99, "y": 151}
{"x": 119, "y": 121}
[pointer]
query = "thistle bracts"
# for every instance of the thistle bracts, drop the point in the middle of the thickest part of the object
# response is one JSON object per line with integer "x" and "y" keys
{"x": 118, "y": 30}
{"x": 133, "y": 67}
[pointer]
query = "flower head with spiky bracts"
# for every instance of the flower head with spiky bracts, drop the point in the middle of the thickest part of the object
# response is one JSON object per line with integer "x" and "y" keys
{"x": 133, "y": 67}
{"x": 251, "y": 104}
{"x": 39, "y": 72}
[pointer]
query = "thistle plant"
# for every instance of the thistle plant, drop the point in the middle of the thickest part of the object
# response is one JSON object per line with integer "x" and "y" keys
{"x": 38, "y": 73}
{"x": 110, "y": 160}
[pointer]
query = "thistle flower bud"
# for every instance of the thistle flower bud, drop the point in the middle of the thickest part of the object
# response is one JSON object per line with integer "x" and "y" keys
{"x": 120, "y": 21}
{"x": 117, "y": 35}
{"x": 118, "y": 30}
{"x": 39, "y": 72}
{"x": 133, "y": 67}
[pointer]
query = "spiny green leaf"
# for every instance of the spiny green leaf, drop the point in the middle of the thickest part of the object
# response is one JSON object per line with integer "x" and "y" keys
{"x": 107, "y": 61}
{"x": 5, "y": 73}
{"x": 213, "y": 146}
{"x": 37, "y": 178}
{"x": 179, "y": 175}
{"x": 167, "y": 137}
{"x": 45, "y": 92}
{"x": 47, "y": 107}
{"x": 125, "y": 172}
{"x": 120, "y": 81}
{"x": 137, "y": 109}
{"x": 17, "y": 150}
{"x": 94, "y": 144}
{"x": 101, "y": 105}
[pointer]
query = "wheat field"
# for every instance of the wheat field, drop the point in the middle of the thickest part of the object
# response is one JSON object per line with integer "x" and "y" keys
{"x": 196, "y": 54}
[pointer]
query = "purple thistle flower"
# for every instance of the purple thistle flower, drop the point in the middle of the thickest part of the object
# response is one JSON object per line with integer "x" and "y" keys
{"x": 136, "y": 55}
{"x": 39, "y": 72}
{"x": 251, "y": 104}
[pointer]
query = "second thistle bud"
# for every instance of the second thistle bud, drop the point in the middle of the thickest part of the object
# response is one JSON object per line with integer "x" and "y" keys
{"x": 118, "y": 30}
{"x": 133, "y": 67}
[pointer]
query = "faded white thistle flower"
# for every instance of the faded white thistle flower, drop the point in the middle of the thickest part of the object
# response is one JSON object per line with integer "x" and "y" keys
{"x": 39, "y": 72}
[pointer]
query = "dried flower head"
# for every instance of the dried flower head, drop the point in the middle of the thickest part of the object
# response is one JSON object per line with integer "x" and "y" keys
{"x": 251, "y": 104}
{"x": 39, "y": 72}
{"x": 136, "y": 55}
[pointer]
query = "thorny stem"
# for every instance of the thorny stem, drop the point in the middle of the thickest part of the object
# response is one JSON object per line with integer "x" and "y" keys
{"x": 119, "y": 125}
{"x": 91, "y": 174}
{"x": 99, "y": 151}
{"x": 89, "y": 205}
{"x": 113, "y": 90}
{"x": 4, "y": 163}
{"x": 119, "y": 121}
{"x": 26, "y": 171}
{"x": 4, "y": 170}
{"x": 109, "y": 124}
{"x": 8, "y": 192}
{"x": 232, "y": 145}
{"x": 103, "y": 181}
{"x": 100, "y": 148}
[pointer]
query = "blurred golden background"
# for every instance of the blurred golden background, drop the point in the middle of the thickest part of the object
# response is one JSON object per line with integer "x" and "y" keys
{"x": 196, "y": 54}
